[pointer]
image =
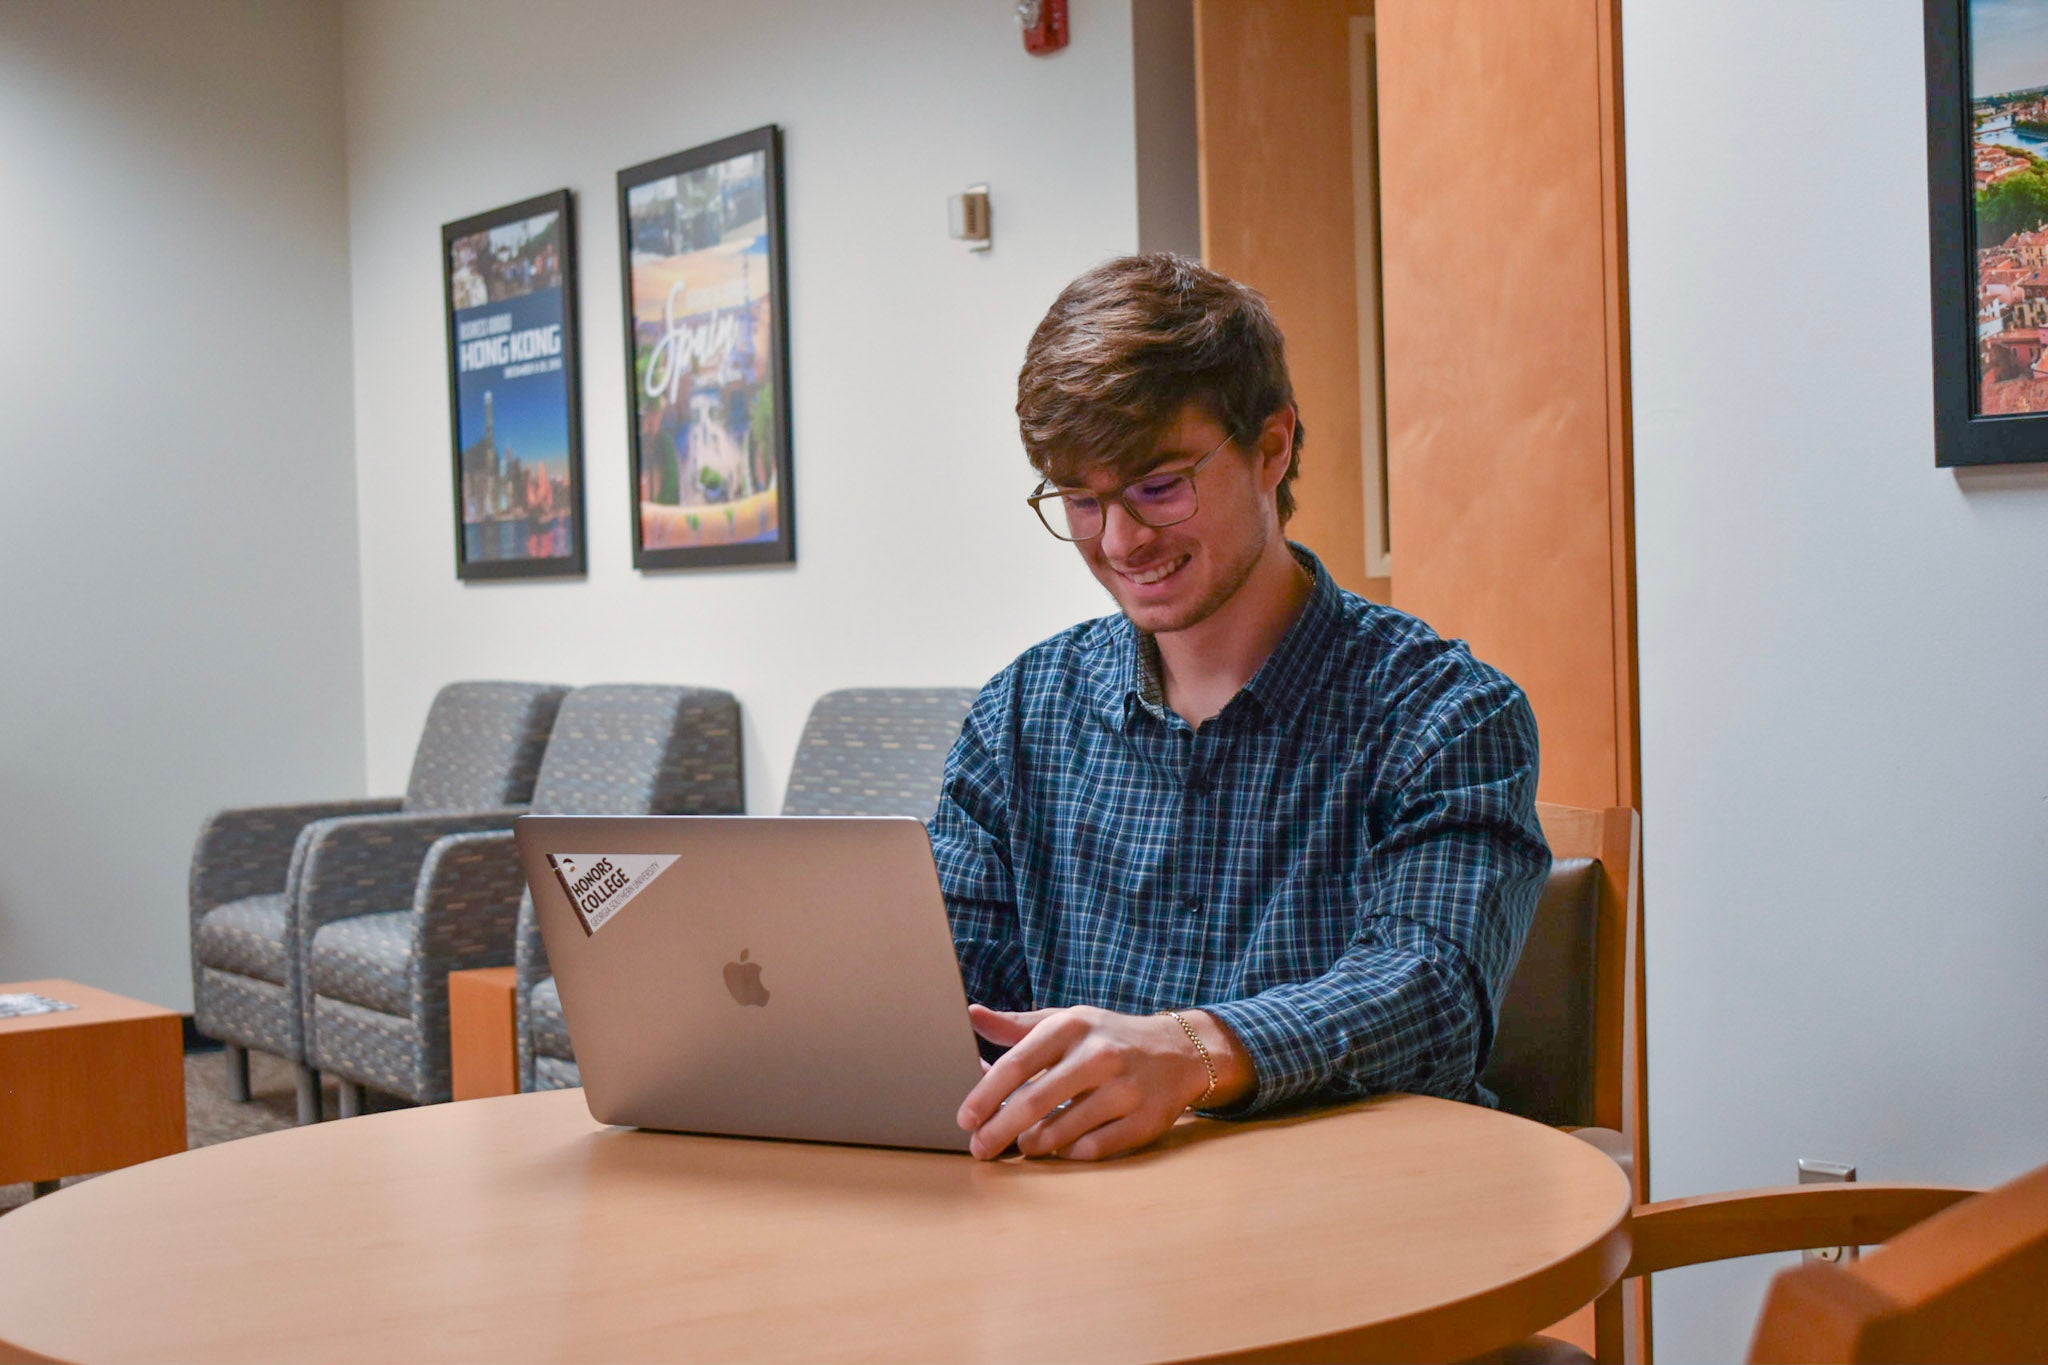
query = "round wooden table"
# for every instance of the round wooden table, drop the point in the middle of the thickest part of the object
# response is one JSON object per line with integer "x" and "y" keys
{"x": 519, "y": 1229}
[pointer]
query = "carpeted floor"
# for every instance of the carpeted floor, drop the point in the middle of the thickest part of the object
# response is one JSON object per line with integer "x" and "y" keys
{"x": 210, "y": 1116}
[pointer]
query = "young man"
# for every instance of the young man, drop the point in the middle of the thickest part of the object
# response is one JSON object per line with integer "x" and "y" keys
{"x": 1253, "y": 840}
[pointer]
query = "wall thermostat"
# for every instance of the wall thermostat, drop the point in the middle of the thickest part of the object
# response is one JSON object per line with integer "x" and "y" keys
{"x": 969, "y": 218}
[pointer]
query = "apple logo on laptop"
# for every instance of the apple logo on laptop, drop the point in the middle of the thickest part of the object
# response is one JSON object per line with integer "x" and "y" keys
{"x": 743, "y": 979}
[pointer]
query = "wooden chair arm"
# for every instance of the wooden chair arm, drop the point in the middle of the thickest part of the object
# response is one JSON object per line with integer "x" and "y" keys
{"x": 1718, "y": 1227}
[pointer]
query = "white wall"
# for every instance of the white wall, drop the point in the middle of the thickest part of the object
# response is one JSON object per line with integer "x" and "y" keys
{"x": 1845, "y": 761}
{"x": 180, "y": 620}
{"x": 917, "y": 561}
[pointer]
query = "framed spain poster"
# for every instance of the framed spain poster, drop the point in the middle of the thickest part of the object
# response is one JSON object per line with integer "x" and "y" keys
{"x": 509, "y": 284}
{"x": 707, "y": 355}
{"x": 1987, "y": 165}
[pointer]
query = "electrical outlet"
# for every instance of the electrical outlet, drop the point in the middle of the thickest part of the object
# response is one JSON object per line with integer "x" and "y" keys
{"x": 1827, "y": 1173}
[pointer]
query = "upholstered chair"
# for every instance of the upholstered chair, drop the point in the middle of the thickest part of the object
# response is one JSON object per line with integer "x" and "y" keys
{"x": 864, "y": 751}
{"x": 377, "y": 975}
{"x": 474, "y": 768}
{"x": 1568, "y": 1042}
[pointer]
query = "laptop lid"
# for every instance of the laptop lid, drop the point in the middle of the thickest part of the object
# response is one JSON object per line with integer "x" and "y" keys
{"x": 785, "y": 977}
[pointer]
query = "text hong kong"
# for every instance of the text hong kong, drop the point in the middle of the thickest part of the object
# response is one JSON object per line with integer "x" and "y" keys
{"x": 490, "y": 343}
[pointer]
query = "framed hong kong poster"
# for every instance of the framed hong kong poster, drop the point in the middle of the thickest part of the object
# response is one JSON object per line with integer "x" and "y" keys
{"x": 707, "y": 355}
{"x": 1987, "y": 163}
{"x": 509, "y": 283}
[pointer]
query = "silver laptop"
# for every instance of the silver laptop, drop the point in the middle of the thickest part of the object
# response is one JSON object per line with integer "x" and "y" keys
{"x": 786, "y": 977}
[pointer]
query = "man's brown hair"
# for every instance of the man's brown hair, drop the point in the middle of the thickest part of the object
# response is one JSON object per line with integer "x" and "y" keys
{"x": 1130, "y": 343}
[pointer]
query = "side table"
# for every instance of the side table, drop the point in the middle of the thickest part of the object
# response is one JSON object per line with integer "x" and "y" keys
{"x": 88, "y": 1089}
{"x": 482, "y": 1044}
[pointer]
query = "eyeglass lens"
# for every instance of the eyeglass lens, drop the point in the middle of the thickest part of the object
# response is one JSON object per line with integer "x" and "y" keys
{"x": 1159, "y": 501}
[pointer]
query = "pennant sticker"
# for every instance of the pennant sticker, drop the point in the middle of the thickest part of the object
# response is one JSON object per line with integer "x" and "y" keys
{"x": 599, "y": 885}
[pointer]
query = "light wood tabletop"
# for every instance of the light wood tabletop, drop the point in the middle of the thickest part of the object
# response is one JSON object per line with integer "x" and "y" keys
{"x": 519, "y": 1229}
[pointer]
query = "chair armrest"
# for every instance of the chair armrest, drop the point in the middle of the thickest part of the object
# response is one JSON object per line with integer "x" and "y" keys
{"x": 531, "y": 955}
{"x": 466, "y": 905}
{"x": 361, "y": 864}
{"x": 530, "y": 965}
{"x": 1718, "y": 1227}
{"x": 248, "y": 851}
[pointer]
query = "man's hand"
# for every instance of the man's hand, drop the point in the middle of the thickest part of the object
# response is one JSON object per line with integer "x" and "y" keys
{"x": 1123, "y": 1079}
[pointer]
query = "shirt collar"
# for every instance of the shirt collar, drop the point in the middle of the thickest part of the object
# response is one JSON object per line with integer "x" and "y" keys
{"x": 1283, "y": 683}
{"x": 1130, "y": 677}
{"x": 1119, "y": 680}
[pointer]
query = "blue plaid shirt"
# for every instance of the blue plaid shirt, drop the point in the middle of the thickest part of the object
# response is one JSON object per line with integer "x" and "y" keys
{"x": 1340, "y": 865}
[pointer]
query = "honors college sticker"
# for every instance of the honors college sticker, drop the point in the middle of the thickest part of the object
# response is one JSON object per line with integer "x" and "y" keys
{"x": 600, "y": 884}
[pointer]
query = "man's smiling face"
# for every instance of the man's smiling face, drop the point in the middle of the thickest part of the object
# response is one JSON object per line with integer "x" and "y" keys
{"x": 1169, "y": 578}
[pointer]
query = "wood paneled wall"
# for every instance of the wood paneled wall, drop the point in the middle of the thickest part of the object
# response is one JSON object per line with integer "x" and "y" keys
{"x": 1504, "y": 314}
{"x": 1503, "y": 302}
{"x": 1273, "y": 108}
{"x": 1504, "y": 309}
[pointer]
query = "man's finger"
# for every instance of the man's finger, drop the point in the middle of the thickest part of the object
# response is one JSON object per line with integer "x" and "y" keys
{"x": 1027, "y": 1104}
{"x": 1061, "y": 1127}
{"x": 1032, "y": 1099}
{"x": 1114, "y": 1139}
{"x": 1034, "y": 1052}
{"x": 1004, "y": 1028}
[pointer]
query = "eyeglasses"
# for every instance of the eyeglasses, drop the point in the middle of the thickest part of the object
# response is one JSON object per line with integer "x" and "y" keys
{"x": 1156, "y": 500}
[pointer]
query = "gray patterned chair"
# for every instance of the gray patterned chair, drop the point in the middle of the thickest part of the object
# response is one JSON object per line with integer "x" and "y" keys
{"x": 475, "y": 765}
{"x": 864, "y": 751}
{"x": 377, "y": 977}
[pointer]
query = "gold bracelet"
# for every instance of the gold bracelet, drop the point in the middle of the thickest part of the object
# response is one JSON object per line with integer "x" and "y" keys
{"x": 1207, "y": 1065}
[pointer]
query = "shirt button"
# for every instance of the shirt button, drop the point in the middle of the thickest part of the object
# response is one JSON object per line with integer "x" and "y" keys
{"x": 1190, "y": 904}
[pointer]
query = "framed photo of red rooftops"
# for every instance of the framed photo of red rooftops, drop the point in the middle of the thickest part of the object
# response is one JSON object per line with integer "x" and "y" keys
{"x": 707, "y": 355}
{"x": 1987, "y": 169}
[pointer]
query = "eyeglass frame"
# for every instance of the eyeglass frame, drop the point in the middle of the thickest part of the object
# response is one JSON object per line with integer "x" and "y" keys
{"x": 1048, "y": 490}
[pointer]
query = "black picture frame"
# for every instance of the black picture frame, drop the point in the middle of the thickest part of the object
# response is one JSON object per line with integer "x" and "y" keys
{"x": 1965, "y": 432}
{"x": 704, "y": 270}
{"x": 508, "y": 291}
